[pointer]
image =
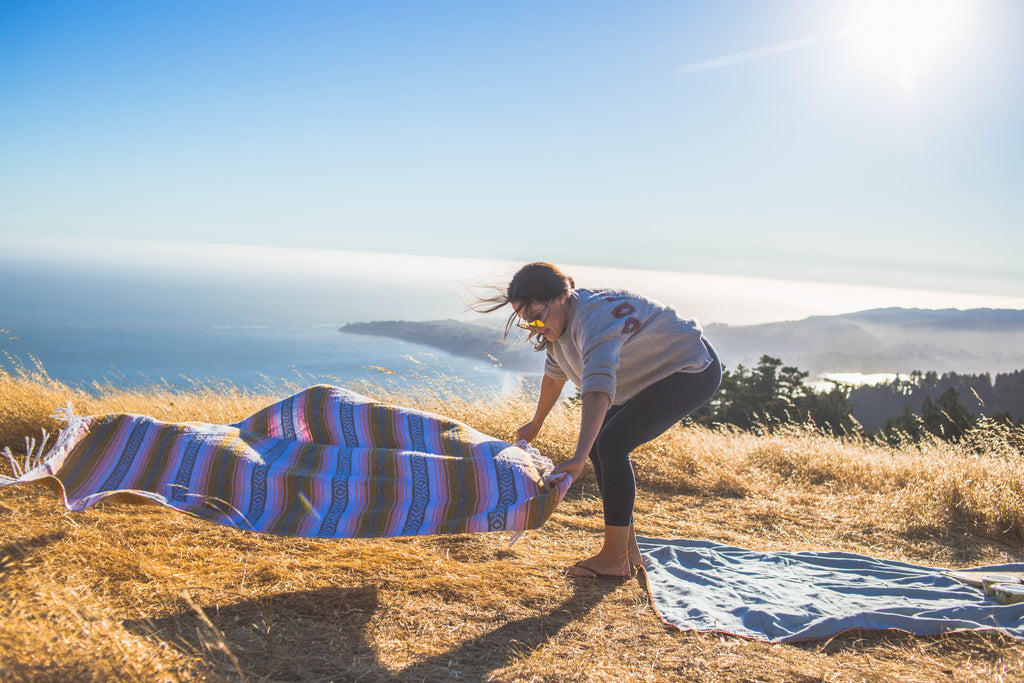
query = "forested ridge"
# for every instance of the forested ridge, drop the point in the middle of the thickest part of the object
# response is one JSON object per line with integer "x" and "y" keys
{"x": 980, "y": 394}
{"x": 946, "y": 405}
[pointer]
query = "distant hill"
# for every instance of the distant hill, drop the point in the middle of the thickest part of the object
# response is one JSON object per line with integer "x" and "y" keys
{"x": 462, "y": 339}
{"x": 893, "y": 340}
{"x": 882, "y": 340}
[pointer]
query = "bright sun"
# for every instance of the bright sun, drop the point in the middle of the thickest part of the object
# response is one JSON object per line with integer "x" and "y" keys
{"x": 904, "y": 38}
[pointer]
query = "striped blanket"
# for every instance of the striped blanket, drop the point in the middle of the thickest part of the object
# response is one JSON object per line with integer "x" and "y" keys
{"x": 325, "y": 462}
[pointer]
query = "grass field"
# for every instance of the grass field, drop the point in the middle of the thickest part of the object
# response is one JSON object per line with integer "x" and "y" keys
{"x": 130, "y": 593}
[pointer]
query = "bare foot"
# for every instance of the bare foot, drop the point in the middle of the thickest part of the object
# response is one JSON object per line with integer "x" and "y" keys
{"x": 597, "y": 568}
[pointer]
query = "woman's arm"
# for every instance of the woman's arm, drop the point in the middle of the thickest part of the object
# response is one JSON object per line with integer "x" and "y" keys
{"x": 550, "y": 390}
{"x": 595, "y": 407}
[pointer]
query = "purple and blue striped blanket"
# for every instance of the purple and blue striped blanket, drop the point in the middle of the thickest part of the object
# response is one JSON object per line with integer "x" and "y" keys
{"x": 325, "y": 463}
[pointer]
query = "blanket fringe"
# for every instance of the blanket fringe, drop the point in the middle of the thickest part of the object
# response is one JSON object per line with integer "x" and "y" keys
{"x": 38, "y": 456}
{"x": 541, "y": 462}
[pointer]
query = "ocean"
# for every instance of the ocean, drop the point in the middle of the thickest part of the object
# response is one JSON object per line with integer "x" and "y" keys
{"x": 252, "y": 358}
{"x": 176, "y": 318}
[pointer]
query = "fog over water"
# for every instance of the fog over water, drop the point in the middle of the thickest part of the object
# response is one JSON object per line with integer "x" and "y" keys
{"x": 138, "y": 312}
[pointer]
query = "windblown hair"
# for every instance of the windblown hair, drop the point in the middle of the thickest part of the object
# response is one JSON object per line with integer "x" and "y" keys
{"x": 535, "y": 282}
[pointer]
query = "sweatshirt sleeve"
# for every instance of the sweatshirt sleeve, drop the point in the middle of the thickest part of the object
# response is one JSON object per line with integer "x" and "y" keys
{"x": 601, "y": 346}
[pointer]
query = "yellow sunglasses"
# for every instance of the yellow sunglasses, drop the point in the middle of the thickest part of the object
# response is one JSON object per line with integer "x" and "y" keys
{"x": 537, "y": 322}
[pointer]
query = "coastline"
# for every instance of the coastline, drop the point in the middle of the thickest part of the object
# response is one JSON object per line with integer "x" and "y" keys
{"x": 468, "y": 340}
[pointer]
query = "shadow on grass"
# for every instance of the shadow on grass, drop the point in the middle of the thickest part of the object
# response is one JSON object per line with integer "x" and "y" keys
{"x": 302, "y": 635}
{"x": 19, "y": 553}
{"x": 474, "y": 658}
{"x": 322, "y": 635}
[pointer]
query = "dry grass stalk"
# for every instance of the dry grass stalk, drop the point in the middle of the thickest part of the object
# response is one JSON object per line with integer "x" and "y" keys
{"x": 144, "y": 594}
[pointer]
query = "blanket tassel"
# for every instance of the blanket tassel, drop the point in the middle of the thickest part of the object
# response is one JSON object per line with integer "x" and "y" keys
{"x": 36, "y": 457}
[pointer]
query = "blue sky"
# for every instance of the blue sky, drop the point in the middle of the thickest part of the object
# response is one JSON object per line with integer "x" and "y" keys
{"x": 758, "y": 138}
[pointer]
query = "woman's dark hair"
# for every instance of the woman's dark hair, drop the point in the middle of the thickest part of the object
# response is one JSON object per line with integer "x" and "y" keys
{"x": 534, "y": 282}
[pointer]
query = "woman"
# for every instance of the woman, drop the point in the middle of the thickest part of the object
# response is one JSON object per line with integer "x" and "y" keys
{"x": 640, "y": 369}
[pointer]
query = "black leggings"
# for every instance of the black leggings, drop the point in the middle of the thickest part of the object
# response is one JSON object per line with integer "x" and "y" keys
{"x": 639, "y": 420}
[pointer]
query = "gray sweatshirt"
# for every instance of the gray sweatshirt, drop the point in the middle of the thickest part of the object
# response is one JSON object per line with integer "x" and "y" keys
{"x": 620, "y": 342}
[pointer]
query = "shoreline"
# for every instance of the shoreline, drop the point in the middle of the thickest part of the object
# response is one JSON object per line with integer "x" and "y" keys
{"x": 467, "y": 340}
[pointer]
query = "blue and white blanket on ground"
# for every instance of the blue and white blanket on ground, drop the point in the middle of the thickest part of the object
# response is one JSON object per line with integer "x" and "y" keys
{"x": 793, "y": 596}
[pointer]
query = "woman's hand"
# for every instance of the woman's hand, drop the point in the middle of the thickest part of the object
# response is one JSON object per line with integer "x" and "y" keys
{"x": 528, "y": 432}
{"x": 572, "y": 468}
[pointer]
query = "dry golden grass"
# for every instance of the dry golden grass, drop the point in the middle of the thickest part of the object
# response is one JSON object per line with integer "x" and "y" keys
{"x": 146, "y": 594}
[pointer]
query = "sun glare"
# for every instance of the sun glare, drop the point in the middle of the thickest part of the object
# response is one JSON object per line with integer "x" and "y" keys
{"x": 904, "y": 38}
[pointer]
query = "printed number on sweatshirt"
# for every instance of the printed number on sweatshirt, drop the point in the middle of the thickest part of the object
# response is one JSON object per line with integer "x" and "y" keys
{"x": 623, "y": 310}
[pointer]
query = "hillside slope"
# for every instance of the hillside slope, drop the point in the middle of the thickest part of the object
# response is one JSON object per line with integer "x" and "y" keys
{"x": 883, "y": 340}
{"x": 462, "y": 339}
